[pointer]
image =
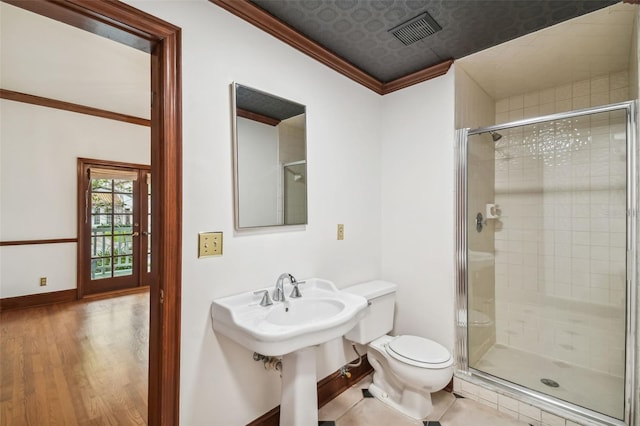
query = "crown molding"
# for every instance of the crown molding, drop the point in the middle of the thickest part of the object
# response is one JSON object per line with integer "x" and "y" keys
{"x": 258, "y": 17}
{"x": 417, "y": 77}
{"x": 260, "y": 118}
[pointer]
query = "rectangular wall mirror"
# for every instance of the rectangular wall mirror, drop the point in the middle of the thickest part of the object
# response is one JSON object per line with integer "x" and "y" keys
{"x": 270, "y": 159}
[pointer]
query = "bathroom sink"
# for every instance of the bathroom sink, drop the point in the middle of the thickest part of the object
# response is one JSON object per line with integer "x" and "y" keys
{"x": 304, "y": 311}
{"x": 291, "y": 329}
{"x": 322, "y": 313}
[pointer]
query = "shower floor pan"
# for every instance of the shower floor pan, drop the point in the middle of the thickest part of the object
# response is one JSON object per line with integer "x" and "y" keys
{"x": 587, "y": 388}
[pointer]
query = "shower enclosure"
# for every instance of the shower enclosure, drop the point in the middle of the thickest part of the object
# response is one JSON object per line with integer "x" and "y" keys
{"x": 295, "y": 192}
{"x": 546, "y": 269}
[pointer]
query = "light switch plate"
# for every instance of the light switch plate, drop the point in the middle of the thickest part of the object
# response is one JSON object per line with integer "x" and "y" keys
{"x": 209, "y": 244}
{"x": 341, "y": 231}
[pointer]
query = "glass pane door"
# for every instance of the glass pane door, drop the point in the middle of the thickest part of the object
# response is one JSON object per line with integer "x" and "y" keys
{"x": 112, "y": 206}
{"x": 547, "y": 257}
{"x": 116, "y": 233}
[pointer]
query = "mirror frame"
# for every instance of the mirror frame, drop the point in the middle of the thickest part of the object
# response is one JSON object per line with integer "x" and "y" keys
{"x": 236, "y": 183}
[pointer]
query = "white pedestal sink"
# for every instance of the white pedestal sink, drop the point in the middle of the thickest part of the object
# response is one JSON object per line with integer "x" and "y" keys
{"x": 291, "y": 329}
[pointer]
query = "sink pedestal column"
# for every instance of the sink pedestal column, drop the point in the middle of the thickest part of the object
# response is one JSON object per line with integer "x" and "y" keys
{"x": 299, "y": 402}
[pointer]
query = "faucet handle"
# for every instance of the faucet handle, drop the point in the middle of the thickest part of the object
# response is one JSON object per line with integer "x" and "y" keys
{"x": 266, "y": 299}
{"x": 295, "y": 291}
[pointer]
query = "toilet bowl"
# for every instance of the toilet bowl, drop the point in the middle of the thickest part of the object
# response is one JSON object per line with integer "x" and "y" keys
{"x": 407, "y": 369}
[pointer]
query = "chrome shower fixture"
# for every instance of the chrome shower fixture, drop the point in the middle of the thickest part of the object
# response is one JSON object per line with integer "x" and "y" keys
{"x": 495, "y": 136}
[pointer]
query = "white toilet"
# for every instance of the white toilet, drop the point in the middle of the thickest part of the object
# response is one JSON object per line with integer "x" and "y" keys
{"x": 407, "y": 369}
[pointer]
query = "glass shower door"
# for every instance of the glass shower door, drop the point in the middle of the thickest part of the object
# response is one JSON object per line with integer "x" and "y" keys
{"x": 546, "y": 270}
{"x": 295, "y": 193}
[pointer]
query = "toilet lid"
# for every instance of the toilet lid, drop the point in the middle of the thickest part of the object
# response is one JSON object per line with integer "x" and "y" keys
{"x": 418, "y": 350}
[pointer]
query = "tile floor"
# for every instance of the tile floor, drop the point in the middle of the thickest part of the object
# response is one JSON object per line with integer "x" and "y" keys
{"x": 352, "y": 409}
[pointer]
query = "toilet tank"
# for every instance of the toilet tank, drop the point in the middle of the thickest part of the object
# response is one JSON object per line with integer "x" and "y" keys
{"x": 378, "y": 318}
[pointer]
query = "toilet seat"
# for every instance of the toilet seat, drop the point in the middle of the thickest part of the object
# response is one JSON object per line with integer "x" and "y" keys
{"x": 419, "y": 352}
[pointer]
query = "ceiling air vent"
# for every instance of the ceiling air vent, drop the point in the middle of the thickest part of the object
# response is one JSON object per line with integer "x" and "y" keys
{"x": 416, "y": 29}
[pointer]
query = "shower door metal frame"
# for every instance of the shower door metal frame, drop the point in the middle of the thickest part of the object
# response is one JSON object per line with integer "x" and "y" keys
{"x": 461, "y": 348}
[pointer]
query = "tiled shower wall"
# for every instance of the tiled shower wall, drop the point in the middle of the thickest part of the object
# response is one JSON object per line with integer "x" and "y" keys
{"x": 560, "y": 243}
{"x": 291, "y": 148}
{"x": 603, "y": 90}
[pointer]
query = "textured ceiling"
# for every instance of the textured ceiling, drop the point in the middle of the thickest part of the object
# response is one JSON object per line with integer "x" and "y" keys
{"x": 358, "y": 30}
{"x": 265, "y": 104}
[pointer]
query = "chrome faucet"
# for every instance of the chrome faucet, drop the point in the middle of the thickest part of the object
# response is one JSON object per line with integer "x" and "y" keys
{"x": 278, "y": 293}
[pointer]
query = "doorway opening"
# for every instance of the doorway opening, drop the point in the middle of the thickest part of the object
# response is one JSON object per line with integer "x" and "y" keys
{"x": 128, "y": 25}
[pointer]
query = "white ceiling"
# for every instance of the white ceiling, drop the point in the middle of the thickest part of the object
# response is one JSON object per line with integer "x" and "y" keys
{"x": 575, "y": 50}
{"x": 43, "y": 57}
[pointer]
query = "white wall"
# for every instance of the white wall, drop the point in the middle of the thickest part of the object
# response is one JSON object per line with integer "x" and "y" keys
{"x": 417, "y": 206}
{"x": 220, "y": 383}
{"x": 258, "y": 173}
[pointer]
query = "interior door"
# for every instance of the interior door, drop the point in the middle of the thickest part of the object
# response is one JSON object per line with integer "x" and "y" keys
{"x": 115, "y": 228}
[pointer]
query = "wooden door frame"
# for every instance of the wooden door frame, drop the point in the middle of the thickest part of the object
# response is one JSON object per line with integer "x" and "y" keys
{"x": 123, "y": 23}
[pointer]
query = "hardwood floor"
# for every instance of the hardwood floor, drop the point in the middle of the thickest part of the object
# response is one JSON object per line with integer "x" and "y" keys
{"x": 79, "y": 363}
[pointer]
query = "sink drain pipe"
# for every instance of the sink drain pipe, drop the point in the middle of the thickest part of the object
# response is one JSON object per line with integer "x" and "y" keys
{"x": 269, "y": 362}
{"x": 344, "y": 370}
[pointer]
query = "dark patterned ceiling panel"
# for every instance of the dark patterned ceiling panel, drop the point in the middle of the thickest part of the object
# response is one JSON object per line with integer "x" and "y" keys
{"x": 358, "y": 30}
{"x": 265, "y": 104}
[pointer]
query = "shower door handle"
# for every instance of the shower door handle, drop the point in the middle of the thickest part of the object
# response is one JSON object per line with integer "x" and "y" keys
{"x": 479, "y": 222}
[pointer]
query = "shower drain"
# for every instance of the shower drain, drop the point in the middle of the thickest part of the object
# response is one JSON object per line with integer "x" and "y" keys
{"x": 550, "y": 383}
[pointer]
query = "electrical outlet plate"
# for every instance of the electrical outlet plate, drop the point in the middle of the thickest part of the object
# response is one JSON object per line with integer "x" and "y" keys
{"x": 209, "y": 244}
{"x": 43, "y": 281}
{"x": 340, "y": 231}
